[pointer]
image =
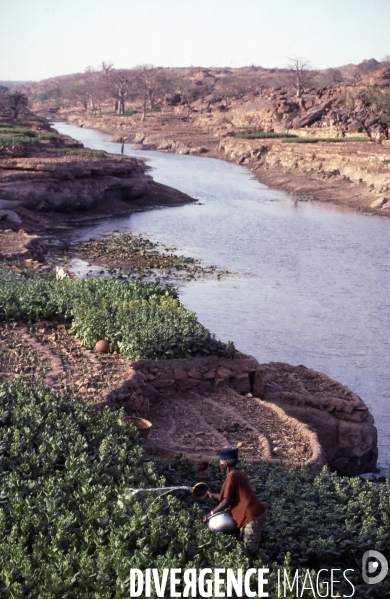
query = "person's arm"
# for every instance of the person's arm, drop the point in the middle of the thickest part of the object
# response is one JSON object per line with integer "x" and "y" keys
{"x": 220, "y": 507}
{"x": 213, "y": 495}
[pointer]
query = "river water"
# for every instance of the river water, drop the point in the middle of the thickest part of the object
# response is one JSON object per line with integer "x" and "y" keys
{"x": 312, "y": 282}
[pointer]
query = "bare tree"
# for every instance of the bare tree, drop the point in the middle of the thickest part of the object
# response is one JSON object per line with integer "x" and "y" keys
{"x": 107, "y": 67}
{"x": 299, "y": 74}
{"x": 375, "y": 111}
{"x": 151, "y": 85}
{"x": 189, "y": 94}
{"x": 79, "y": 94}
{"x": 118, "y": 86}
{"x": 385, "y": 62}
{"x": 152, "y": 81}
{"x": 92, "y": 87}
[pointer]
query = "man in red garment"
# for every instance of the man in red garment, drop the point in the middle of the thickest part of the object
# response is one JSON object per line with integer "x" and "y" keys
{"x": 248, "y": 512}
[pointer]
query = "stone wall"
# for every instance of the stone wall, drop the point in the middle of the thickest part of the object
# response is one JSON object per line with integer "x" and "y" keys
{"x": 148, "y": 378}
{"x": 344, "y": 426}
{"x": 338, "y": 418}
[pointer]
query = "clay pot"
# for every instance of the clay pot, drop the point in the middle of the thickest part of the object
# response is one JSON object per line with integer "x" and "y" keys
{"x": 102, "y": 346}
{"x": 142, "y": 425}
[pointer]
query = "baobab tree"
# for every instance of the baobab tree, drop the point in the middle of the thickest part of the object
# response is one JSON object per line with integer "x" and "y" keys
{"x": 118, "y": 85}
{"x": 107, "y": 67}
{"x": 299, "y": 74}
{"x": 17, "y": 101}
{"x": 151, "y": 84}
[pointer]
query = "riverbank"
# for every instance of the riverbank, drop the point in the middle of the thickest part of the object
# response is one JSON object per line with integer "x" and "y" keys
{"x": 359, "y": 450}
{"x": 51, "y": 182}
{"x": 350, "y": 174}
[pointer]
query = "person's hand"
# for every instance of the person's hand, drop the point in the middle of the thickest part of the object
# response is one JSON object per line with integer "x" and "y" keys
{"x": 207, "y": 517}
{"x": 209, "y": 494}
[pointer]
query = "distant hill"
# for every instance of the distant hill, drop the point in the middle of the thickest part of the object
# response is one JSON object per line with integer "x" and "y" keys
{"x": 12, "y": 84}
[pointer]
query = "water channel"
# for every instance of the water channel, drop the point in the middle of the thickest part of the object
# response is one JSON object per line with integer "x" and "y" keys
{"x": 312, "y": 282}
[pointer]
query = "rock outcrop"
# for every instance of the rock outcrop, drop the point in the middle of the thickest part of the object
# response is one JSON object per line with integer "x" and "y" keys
{"x": 71, "y": 183}
{"x": 342, "y": 421}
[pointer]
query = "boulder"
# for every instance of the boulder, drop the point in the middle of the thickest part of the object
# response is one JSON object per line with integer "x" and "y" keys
{"x": 139, "y": 137}
{"x": 311, "y": 116}
{"x": 10, "y": 216}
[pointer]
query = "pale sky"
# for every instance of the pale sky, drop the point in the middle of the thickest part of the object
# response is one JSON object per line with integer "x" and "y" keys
{"x": 46, "y": 38}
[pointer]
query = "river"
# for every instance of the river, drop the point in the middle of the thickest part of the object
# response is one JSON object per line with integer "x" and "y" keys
{"x": 312, "y": 282}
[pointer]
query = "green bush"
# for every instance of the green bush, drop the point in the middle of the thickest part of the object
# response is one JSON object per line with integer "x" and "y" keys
{"x": 63, "y": 530}
{"x": 140, "y": 319}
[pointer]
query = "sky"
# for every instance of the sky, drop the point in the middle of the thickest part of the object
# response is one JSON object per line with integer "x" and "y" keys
{"x": 47, "y": 38}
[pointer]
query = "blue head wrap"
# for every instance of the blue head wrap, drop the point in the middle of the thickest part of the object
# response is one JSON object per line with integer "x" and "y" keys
{"x": 228, "y": 454}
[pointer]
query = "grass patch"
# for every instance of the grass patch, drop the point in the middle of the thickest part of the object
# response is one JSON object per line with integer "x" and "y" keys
{"x": 114, "y": 113}
{"x": 315, "y": 140}
{"x": 13, "y": 135}
{"x": 263, "y": 135}
{"x": 7, "y": 129}
{"x": 76, "y": 152}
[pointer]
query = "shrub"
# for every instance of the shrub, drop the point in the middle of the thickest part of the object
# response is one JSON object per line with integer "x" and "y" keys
{"x": 140, "y": 319}
{"x": 66, "y": 529}
{"x": 10, "y": 141}
{"x": 63, "y": 529}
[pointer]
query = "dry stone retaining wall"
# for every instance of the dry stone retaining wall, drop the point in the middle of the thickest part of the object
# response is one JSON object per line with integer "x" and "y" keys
{"x": 148, "y": 378}
{"x": 338, "y": 419}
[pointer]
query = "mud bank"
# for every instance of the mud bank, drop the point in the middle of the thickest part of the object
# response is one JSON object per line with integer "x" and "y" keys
{"x": 350, "y": 174}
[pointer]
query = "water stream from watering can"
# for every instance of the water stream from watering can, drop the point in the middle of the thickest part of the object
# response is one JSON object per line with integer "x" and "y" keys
{"x": 130, "y": 493}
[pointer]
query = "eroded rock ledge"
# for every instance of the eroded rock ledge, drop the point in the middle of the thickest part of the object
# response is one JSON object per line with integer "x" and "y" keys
{"x": 71, "y": 182}
{"x": 340, "y": 420}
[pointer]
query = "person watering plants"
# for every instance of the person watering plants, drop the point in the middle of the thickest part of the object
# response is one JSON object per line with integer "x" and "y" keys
{"x": 248, "y": 511}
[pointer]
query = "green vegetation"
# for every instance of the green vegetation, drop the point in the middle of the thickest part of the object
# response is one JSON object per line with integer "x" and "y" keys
{"x": 10, "y": 141}
{"x": 77, "y": 152}
{"x": 315, "y": 140}
{"x": 11, "y": 135}
{"x": 114, "y": 113}
{"x": 67, "y": 531}
{"x": 144, "y": 258}
{"x": 263, "y": 135}
{"x": 140, "y": 319}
